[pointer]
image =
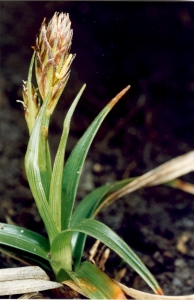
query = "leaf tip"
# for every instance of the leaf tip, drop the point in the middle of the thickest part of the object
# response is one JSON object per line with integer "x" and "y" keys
{"x": 119, "y": 96}
{"x": 159, "y": 291}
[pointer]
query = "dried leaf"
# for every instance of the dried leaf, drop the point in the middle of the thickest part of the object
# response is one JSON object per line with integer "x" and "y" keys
{"x": 32, "y": 296}
{"x": 138, "y": 295}
{"x": 25, "y": 280}
{"x": 31, "y": 272}
{"x": 26, "y": 286}
{"x": 168, "y": 171}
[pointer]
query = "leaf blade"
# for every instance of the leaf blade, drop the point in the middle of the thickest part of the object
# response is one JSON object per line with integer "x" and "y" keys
{"x": 31, "y": 114}
{"x": 107, "y": 236}
{"x": 87, "y": 206}
{"x": 95, "y": 284}
{"x": 56, "y": 179}
{"x": 74, "y": 165}
{"x": 27, "y": 286}
{"x": 34, "y": 173}
{"x": 25, "y": 240}
{"x": 86, "y": 209}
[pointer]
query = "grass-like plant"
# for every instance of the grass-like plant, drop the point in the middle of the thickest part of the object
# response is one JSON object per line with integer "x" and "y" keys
{"x": 54, "y": 186}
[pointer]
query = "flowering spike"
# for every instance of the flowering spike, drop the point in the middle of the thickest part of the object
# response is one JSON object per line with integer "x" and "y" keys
{"x": 53, "y": 59}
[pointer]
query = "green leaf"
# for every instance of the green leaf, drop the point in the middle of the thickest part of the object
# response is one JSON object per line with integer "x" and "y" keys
{"x": 86, "y": 209}
{"x": 94, "y": 283}
{"x": 61, "y": 254}
{"x": 33, "y": 171}
{"x": 87, "y": 206}
{"x": 25, "y": 257}
{"x": 74, "y": 165}
{"x": 44, "y": 160}
{"x": 44, "y": 152}
{"x": 25, "y": 240}
{"x": 56, "y": 181}
{"x": 113, "y": 241}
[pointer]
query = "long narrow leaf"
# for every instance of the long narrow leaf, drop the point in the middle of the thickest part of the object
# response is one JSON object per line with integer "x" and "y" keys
{"x": 44, "y": 159}
{"x": 95, "y": 284}
{"x": 56, "y": 181}
{"x": 86, "y": 209}
{"x": 88, "y": 205}
{"x": 166, "y": 172}
{"x": 113, "y": 241}
{"x": 44, "y": 152}
{"x": 26, "y": 258}
{"x": 139, "y": 295}
{"x": 33, "y": 171}
{"x": 25, "y": 240}
{"x": 173, "y": 168}
{"x": 74, "y": 165}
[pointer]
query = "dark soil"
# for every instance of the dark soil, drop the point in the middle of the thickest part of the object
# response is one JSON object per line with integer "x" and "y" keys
{"x": 151, "y": 47}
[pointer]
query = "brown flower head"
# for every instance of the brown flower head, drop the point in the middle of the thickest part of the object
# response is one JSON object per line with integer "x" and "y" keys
{"x": 53, "y": 59}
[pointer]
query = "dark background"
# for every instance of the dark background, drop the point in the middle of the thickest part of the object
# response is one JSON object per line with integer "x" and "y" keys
{"x": 149, "y": 45}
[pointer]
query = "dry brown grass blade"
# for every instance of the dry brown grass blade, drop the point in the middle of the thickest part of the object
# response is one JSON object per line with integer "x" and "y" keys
{"x": 25, "y": 280}
{"x": 182, "y": 185}
{"x": 168, "y": 171}
{"x": 138, "y": 295}
{"x": 32, "y": 296}
{"x": 32, "y": 272}
{"x": 26, "y": 286}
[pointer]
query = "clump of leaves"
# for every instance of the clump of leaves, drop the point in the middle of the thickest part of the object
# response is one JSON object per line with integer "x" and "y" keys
{"x": 54, "y": 186}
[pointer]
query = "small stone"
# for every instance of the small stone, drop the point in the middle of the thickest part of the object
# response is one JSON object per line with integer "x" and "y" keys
{"x": 176, "y": 282}
{"x": 179, "y": 263}
{"x": 186, "y": 273}
{"x": 97, "y": 168}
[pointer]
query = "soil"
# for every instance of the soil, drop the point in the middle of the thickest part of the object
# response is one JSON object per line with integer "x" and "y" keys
{"x": 151, "y": 47}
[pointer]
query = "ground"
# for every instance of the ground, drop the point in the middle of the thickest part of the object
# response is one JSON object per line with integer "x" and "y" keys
{"x": 151, "y": 47}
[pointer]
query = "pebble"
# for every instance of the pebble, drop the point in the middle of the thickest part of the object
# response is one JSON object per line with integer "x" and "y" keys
{"x": 179, "y": 263}
{"x": 177, "y": 282}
